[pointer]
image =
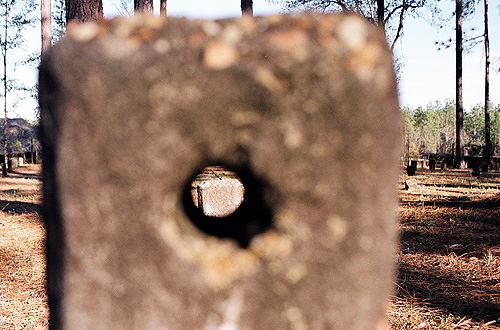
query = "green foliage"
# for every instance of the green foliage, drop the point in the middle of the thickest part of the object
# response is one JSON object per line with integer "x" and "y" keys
{"x": 474, "y": 129}
{"x": 19, "y": 135}
{"x": 431, "y": 129}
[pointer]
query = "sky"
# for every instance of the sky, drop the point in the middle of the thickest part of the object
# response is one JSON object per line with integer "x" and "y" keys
{"x": 427, "y": 76}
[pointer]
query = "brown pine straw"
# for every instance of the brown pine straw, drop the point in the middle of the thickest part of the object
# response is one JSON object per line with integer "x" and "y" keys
{"x": 449, "y": 258}
{"x": 23, "y": 301}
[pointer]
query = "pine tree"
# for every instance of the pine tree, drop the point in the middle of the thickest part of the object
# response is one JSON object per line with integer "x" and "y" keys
{"x": 16, "y": 15}
{"x": 46, "y": 23}
{"x": 163, "y": 8}
{"x": 459, "y": 121}
{"x": 83, "y": 10}
{"x": 247, "y": 7}
{"x": 487, "y": 129}
{"x": 143, "y": 6}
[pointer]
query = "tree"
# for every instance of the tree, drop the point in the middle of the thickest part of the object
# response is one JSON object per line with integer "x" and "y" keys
{"x": 17, "y": 15}
{"x": 487, "y": 137}
{"x": 83, "y": 10}
{"x": 459, "y": 121}
{"x": 431, "y": 129}
{"x": 381, "y": 13}
{"x": 247, "y": 7}
{"x": 46, "y": 23}
{"x": 163, "y": 8}
{"x": 143, "y": 6}
{"x": 464, "y": 9}
{"x": 390, "y": 15}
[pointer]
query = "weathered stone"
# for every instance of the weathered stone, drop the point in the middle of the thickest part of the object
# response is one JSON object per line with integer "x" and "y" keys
{"x": 13, "y": 162}
{"x": 411, "y": 184}
{"x": 476, "y": 169}
{"x": 219, "y": 198}
{"x": 303, "y": 108}
{"x": 432, "y": 164}
{"x": 217, "y": 192}
{"x": 411, "y": 168}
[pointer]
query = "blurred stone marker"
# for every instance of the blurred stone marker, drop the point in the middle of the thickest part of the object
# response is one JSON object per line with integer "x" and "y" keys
{"x": 432, "y": 164}
{"x": 132, "y": 109}
{"x": 411, "y": 184}
{"x": 13, "y": 162}
{"x": 476, "y": 169}
{"x": 411, "y": 168}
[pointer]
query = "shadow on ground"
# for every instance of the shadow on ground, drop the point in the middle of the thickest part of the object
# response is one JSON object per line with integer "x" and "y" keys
{"x": 19, "y": 208}
{"x": 450, "y": 254}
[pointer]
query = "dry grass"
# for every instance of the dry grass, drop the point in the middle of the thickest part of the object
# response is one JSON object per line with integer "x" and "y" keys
{"x": 449, "y": 261}
{"x": 23, "y": 301}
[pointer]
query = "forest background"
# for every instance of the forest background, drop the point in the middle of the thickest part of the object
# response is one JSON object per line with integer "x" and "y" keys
{"x": 431, "y": 129}
{"x": 428, "y": 128}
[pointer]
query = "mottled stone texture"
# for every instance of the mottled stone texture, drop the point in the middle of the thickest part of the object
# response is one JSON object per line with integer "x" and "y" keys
{"x": 302, "y": 108}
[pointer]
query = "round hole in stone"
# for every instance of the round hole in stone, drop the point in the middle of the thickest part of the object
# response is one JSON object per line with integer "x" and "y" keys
{"x": 240, "y": 210}
{"x": 217, "y": 192}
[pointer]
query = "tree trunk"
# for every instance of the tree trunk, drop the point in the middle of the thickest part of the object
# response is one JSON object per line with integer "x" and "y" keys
{"x": 83, "y": 10}
{"x": 46, "y": 25}
{"x": 247, "y": 7}
{"x": 487, "y": 149}
{"x": 32, "y": 148}
{"x": 163, "y": 8}
{"x": 143, "y": 6}
{"x": 459, "y": 154}
{"x": 380, "y": 13}
{"x": 4, "y": 51}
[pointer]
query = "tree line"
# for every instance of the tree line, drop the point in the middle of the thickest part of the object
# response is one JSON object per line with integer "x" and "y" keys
{"x": 431, "y": 129}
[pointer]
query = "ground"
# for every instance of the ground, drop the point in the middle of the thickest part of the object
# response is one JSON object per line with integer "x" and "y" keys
{"x": 449, "y": 257}
{"x": 23, "y": 301}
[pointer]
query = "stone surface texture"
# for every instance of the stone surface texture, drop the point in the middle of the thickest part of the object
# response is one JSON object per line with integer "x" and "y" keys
{"x": 133, "y": 108}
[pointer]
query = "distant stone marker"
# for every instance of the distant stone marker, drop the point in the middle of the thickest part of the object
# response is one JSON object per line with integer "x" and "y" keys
{"x": 217, "y": 192}
{"x": 410, "y": 184}
{"x": 303, "y": 108}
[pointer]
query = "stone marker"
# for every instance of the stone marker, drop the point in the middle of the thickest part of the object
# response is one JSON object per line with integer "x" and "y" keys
{"x": 217, "y": 192}
{"x": 411, "y": 184}
{"x": 476, "y": 169}
{"x": 302, "y": 108}
{"x": 432, "y": 164}
{"x": 411, "y": 168}
{"x": 219, "y": 198}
